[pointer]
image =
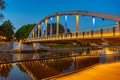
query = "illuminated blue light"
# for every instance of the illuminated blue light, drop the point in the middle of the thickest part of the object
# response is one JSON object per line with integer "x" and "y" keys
{"x": 35, "y": 28}
{"x": 65, "y": 27}
{"x": 93, "y": 22}
{"x": 51, "y": 19}
{"x": 30, "y": 36}
{"x": 42, "y": 30}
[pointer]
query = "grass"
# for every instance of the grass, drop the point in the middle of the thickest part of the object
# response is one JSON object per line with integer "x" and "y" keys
{"x": 63, "y": 45}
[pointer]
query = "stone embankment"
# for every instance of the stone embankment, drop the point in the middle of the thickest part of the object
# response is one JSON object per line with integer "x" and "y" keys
{"x": 6, "y": 46}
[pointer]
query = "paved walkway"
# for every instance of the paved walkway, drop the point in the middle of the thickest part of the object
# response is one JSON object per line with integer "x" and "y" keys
{"x": 110, "y": 71}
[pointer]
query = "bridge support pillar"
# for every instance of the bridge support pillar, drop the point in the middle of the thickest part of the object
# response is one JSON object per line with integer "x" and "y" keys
{"x": 19, "y": 46}
{"x": 77, "y": 23}
{"x": 57, "y": 29}
{"x": 51, "y": 27}
{"x": 28, "y": 47}
{"x": 33, "y": 34}
{"x": 77, "y": 20}
{"x": 65, "y": 27}
{"x": 38, "y": 30}
{"x": 46, "y": 22}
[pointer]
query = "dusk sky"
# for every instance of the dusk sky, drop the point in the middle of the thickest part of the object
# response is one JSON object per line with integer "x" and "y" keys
{"x": 21, "y": 12}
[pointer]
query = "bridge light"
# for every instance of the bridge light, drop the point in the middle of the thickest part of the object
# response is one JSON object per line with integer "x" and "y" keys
{"x": 35, "y": 28}
{"x": 38, "y": 30}
{"x": 46, "y": 22}
{"x": 30, "y": 36}
{"x": 42, "y": 30}
{"x": 57, "y": 18}
{"x": 33, "y": 33}
{"x": 51, "y": 19}
{"x": 65, "y": 17}
{"x": 65, "y": 27}
{"x": 93, "y": 22}
{"x": 77, "y": 20}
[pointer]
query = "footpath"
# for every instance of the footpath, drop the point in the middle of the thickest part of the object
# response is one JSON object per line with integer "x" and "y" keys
{"x": 109, "y": 71}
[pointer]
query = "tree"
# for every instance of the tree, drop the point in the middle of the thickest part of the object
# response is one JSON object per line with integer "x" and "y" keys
{"x": 24, "y": 31}
{"x": 7, "y": 30}
{"x": 2, "y": 7}
{"x": 61, "y": 29}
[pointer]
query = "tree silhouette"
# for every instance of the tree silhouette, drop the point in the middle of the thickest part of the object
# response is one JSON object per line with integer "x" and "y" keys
{"x": 2, "y": 7}
{"x": 7, "y": 30}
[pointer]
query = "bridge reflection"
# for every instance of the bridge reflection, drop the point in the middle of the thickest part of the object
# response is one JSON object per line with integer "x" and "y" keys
{"x": 27, "y": 68}
{"x": 43, "y": 68}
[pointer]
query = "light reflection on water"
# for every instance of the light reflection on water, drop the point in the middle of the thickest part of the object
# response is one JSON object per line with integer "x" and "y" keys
{"x": 31, "y": 69}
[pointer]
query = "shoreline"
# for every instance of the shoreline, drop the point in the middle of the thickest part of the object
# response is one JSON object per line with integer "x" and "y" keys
{"x": 52, "y": 50}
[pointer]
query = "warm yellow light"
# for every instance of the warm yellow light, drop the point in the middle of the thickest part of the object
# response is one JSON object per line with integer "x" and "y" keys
{"x": 77, "y": 20}
{"x": 107, "y": 51}
{"x": 57, "y": 28}
{"x": 38, "y": 26}
{"x": 57, "y": 19}
{"x": 46, "y": 21}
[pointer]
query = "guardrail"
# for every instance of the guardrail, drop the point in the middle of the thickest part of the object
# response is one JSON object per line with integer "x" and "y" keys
{"x": 101, "y": 32}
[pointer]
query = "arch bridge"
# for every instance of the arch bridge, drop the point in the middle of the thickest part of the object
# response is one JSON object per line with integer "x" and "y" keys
{"x": 40, "y": 32}
{"x": 43, "y": 31}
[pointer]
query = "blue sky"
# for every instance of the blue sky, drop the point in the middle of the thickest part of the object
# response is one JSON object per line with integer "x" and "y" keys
{"x": 22, "y": 12}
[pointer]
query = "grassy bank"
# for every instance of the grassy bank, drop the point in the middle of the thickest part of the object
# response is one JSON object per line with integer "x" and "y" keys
{"x": 63, "y": 45}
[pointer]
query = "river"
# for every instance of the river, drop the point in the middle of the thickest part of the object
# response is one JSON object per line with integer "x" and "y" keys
{"x": 37, "y": 66}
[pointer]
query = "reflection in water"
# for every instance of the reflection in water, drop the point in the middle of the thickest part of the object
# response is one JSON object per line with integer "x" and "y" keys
{"x": 52, "y": 63}
{"x": 12, "y": 72}
{"x": 39, "y": 69}
{"x": 5, "y": 69}
{"x": 5, "y": 57}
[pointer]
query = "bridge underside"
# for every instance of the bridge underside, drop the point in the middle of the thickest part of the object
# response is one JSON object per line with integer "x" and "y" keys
{"x": 79, "y": 41}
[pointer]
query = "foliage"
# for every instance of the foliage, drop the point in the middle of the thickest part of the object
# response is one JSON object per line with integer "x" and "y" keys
{"x": 2, "y": 7}
{"x": 6, "y": 29}
{"x": 61, "y": 29}
{"x": 24, "y": 31}
{"x": 2, "y": 4}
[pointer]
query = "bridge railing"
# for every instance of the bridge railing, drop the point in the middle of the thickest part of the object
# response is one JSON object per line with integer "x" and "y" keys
{"x": 109, "y": 31}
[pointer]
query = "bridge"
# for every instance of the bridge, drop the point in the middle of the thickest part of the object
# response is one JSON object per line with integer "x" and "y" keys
{"x": 42, "y": 33}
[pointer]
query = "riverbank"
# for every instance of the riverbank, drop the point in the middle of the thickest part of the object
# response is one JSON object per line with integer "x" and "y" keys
{"x": 109, "y": 71}
{"x": 6, "y": 46}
